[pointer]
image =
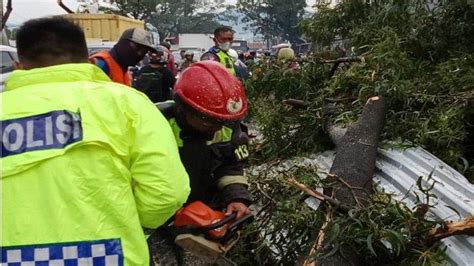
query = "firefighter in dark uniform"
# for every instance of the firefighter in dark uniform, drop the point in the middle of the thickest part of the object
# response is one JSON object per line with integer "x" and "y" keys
{"x": 209, "y": 103}
{"x": 205, "y": 118}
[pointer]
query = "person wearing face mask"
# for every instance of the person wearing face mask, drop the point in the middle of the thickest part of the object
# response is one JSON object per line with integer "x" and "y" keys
{"x": 128, "y": 51}
{"x": 223, "y": 37}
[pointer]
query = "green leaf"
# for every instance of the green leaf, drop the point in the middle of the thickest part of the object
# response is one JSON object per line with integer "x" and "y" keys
{"x": 418, "y": 183}
{"x": 334, "y": 233}
{"x": 396, "y": 239}
{"x": 330, "y": 253}
{"x": 454, "y": 210}
{"x": 369, "y": 244}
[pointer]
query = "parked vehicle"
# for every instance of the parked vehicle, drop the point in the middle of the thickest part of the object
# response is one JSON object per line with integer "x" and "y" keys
{"x": 9, "y": 56}
{"x": 240, "y": 45}
{"x": 99, "y": 46}
{"x": 195, "y": 41}
{"x": 303, "y": 48}
{"x": 104, "y": 27}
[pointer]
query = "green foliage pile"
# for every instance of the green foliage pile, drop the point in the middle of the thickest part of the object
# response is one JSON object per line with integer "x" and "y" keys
{"x": 420, "y": 59}
{"x": 285, "y": 227}
{"x": 383, "y": 231}
{"x": 386, "y": 231}
{"x": 287, "y": 131}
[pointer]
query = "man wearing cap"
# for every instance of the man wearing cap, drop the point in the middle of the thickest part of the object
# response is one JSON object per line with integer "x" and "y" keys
{"x": 128, "y": 51}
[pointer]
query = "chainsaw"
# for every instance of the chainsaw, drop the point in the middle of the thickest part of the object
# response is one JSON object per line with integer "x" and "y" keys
{"x": 208, "y": 233}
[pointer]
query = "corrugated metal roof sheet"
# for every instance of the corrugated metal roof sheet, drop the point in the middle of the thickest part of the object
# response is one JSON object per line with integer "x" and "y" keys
{"x": 397, "y": 172}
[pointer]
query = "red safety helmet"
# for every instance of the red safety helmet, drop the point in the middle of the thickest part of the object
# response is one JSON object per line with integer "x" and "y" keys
{"x": 209, "y": 88}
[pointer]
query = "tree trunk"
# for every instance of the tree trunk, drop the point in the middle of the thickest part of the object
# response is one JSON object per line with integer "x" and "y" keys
{"x": 354, "y": 166}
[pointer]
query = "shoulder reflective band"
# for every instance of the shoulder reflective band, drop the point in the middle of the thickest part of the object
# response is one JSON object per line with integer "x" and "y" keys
{"x": 53, "y": 130}
{"x": 231, "y": 179}
{"x": 223, "y": 135}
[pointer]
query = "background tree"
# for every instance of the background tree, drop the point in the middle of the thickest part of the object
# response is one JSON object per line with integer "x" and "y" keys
{"x": 137, "y": 9}
{"x": 172, "y": 17}
{"x": 274, "y": 18}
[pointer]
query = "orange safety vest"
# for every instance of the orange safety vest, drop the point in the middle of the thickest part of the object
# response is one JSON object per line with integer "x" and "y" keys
{"x": 116, "y": 72}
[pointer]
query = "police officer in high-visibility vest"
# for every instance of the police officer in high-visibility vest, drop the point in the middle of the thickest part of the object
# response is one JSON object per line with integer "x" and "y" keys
{"x": 89, "y": 166}
{"x": 223, "y": 38}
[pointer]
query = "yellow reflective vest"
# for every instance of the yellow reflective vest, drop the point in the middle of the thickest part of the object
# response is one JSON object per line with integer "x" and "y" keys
{"x": 73, "y": 143}
{"x": 226, "y": 60}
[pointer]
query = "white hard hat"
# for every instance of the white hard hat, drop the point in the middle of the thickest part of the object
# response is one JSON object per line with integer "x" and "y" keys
{"x": 233, "y": 53}
{"x": 286, "y": 54}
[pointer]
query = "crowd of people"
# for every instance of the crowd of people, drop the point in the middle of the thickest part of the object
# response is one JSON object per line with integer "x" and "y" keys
{"x": 92, "y": 167}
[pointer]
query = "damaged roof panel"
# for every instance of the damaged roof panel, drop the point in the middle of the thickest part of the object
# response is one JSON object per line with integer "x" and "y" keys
{"x": 397, "y": 173}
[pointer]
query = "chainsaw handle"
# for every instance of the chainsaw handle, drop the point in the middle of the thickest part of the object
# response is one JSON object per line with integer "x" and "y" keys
{"x": 220, "y": 223}
{"x": 242, "y": 221}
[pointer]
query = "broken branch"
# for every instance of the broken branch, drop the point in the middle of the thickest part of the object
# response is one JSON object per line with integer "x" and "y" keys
{"x": 464, "y": 227}
{"x": 296, "y": 103}
{"x": 320, "y": 196}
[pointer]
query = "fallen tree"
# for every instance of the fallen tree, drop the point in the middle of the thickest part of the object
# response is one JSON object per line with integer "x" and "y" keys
{"x": 428, "y": 239}
{"x": 421, "y": 61}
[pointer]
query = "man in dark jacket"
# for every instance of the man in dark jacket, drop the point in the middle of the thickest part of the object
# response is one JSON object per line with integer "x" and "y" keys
{"x": 209, "y": 104}
{"x": 155, "y": 79}
{"x": 213, "y": 145}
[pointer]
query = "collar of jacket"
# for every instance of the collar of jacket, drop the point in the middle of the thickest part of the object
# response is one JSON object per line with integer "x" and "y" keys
{"x": 57, "y": 73}
{"x": 215, "y": 49}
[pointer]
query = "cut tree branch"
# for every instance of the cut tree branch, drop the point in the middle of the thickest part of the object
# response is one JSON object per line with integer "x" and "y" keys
{"x": 7, "y": 13}
{"x": 320, "y": 196}
{"x": 63, "y": 6}
{"x": 464, "y": 227}
{"x": 344, "y": 60}
{"x": 296, "y": 103}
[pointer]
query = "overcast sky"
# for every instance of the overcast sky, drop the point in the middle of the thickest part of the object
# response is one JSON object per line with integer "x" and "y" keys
{"x": 27, "y": 9}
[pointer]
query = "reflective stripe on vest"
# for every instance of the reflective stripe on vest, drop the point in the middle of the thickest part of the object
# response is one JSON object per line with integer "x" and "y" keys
{"x": 116, "y": 73}
{"x": 100, "y": 252}
{"x": 227, "y": 61}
